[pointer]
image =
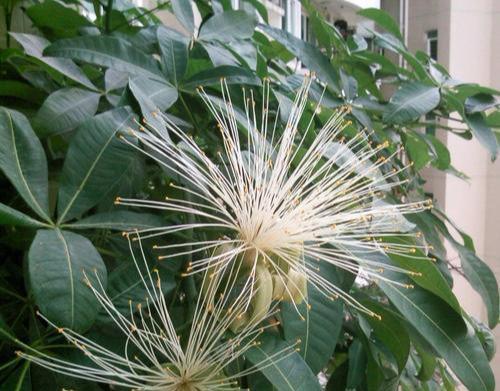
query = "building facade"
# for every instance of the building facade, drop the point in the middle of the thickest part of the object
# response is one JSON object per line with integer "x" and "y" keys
{"x": 464, "y": 36}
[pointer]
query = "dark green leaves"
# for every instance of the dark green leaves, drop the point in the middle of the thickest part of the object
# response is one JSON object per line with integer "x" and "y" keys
{"x": 383, "y": 19}
{"x": 483, "y": 132}
{"x": 96, "y": 162}
{"x": 444, "y": 329}
{"x": 106, "y": 51}
{"x": 57, "y": 263}
{"x": 10, "y": 216}
{"x": 410, "y": 102}
{"x": 54, "y": 15}
{"x": 65, "y": 110}
{"x": 120, "y": 220}
{"x": 320, "y": 326}
{"x": 482, "y": 280}
{"x": 183, "y": 10}
{"x": 307, "y": 53}
{"x": 287, "y": 371}
{"x": 232, "y": 74}
{"x": 174, "y": 48}
{"x": 34, "y": 46}
{"x": 23, "y": 161}
{"x": 158, "y": 94}
{"x": 228, "y": 26}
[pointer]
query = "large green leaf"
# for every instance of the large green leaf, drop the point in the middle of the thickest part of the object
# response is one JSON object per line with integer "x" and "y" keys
{"x": 106, "y": 51}
{"x": 34, "y": 46}
{"x": 11, "y": 216}
{"x": 183, "y": 11}
{"x": 429, "y": 276}
{"x": 174, "y": 49}
{"x": 55, "y": 15}
{"x": 20, "y": 90}
{"x": 160, "y": 94}
{"x": 286, "y": 373}
{"x": 231, "y": 74}
{"x": 390, "y": 331}
{"x": 410, "y": 102}
{"x": 383, "y": 19}
{"x": 357, "y": 364}
{"x": 320, "y": 326}
{"x": 95, "y": 163}
{"x": 23, "y": 161}
{"x": 64, "y": 110}
{"x": 120, "y": 220}
{"x": 482, "y": 279}
{"x": 311, "y": 56}
{"x": 479, "y": 102}
{"x": 418, "y": 149}
{"x": 483, "y": 132}
{"x": 228, "y": 26}
{"x": 444, "y": 329}
{"x": 57, "y": 262}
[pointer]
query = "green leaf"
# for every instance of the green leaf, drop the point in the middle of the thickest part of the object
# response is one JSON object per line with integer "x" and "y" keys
{"x": 427, "y": 363}
{"x": 442, "y": 158}
{"x": 10, "y": 216}
{"x": 232, "y": 74}
{"x": 106, "y": 51}
{"x": 383, "y": 19}
{"x": 482, "y": 132}
{"x": 357, "y": 364}
{"x": 479, "y": 102}
{"x": 430, "y": 277}
{"x": 444, "y": 329}
{"x": 20, "y": 90}
{"x": 121, "y": 220}
{"x": 57, "y": 262}
{"x": 410, "y": 102}
{"x": 228, "y": 26}
{"x": 174, "y": 48}
{"x": 183, "y": 11}
{"x": 338, "y": 379}
{"x": 23, "y": 161}
{"x": 390, "y": 331}
{"x": 56, "y": 16}
{"x": 94, "y": 164}
{"x": 34, "y": 46}
{"x": 482, "y": 279}
{"x": 64, "y": 110}
{"x": 286, "y": 373}
{"x": 417, "y": 150}
{"x": 19, "y": 380}
{"x": 320, "y": 329}
{"x": 311, "y": 56}
{"x": 161, "y": 94}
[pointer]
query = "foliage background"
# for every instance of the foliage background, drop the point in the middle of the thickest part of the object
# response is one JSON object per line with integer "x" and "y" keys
{"x": 75, "y": 81}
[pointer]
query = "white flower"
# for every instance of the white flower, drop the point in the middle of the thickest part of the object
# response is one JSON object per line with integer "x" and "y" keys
{"x": 163, "y": 361}
{"x": 283, "y": 198}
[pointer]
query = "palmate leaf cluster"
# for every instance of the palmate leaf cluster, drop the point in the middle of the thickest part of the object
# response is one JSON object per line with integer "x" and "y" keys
{"x": 86, "y": 71}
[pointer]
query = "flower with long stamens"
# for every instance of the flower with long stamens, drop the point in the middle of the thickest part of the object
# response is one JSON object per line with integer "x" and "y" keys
{"x": 155, "y": 357}
{"x": 282, "y": 199}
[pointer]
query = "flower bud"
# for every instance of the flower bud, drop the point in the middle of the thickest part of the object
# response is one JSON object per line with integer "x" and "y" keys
{"x": 296, "y": 287}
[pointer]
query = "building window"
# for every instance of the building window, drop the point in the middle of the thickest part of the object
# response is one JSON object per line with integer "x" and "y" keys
{"x": 430, "y": 128}
{"x": 286, "y": 14}
{"x": 304, "y": 28}
{"x": 432, "y": 44}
